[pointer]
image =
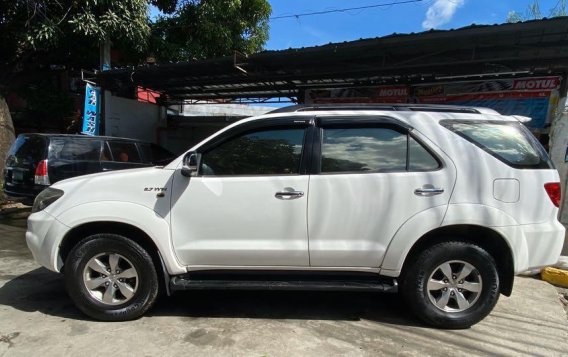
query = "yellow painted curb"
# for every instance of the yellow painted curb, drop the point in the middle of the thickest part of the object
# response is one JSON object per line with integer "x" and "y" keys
{"x": 555, "y": 276}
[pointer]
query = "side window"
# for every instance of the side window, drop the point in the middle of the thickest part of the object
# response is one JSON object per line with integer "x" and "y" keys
{"x": 155, "y": 154}
{"x": 146, "y": 151}
{"x": 373, "y": 149}
{"x": 263, "y": 152}
{"x": 105, "y": 154}
{"x": 363, "y": 149}
{"x": 123, "y": 151}
{"x": 419, "y": 159}
{"x": 510, "y": 142}
{"x": 75, "y": 149}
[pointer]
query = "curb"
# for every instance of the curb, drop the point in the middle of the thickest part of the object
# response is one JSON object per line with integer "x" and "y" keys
{"x": 555, "y": 276}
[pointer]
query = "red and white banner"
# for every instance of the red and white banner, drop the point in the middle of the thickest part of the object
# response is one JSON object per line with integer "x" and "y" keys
{"x": 535, "y": 97}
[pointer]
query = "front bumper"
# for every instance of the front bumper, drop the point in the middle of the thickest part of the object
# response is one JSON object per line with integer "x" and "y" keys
{"x": 44, "y": 235}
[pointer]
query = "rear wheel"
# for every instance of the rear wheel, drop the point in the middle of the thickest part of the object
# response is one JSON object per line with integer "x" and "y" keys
{"x": 111, "y": 278}
{"x": 451, "y": 285}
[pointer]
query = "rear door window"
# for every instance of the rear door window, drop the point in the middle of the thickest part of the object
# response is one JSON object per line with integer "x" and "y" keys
{"x": 74, "y": 149}
{"x": 363, "y": 149}
{"x": 373, "y": 149}
{"x": 510, "y": 142}
{"x": 123, "y": 151}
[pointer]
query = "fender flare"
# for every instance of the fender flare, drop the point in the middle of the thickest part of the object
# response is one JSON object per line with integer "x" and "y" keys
{"x": 444, "y": 216}
{"x": 138, "y": 216}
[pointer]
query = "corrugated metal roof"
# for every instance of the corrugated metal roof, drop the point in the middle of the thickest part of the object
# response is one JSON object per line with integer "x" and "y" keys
{"x": 538, "y": 46}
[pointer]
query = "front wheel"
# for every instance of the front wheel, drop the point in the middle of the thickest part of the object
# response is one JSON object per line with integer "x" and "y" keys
{"x": 451, "y": 285}
{"x": 111, "y": 278}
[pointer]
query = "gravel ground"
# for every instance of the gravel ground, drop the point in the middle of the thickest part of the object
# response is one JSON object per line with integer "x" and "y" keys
{"x": 563, "y": 296}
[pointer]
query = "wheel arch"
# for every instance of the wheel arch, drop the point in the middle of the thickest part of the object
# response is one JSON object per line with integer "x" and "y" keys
{"x": 80, "y": 232}
{"x": 488, "y": 239}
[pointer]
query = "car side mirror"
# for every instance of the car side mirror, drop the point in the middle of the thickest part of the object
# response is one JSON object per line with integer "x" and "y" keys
{"x": 190, "y": 164}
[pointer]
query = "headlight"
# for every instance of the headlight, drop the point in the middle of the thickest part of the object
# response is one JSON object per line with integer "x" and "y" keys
{"x": 45, "y": 198}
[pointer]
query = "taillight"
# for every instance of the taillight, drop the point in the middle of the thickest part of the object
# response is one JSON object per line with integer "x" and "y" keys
{"x": 41, "y": 176}
{"x": 554, "y": 192}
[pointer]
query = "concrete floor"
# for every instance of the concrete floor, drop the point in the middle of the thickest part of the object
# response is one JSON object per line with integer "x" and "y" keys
{"x": 38, "y": 319}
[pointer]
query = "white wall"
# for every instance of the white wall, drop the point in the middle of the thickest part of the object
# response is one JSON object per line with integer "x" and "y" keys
{"x": 130, "y": 118}
{"x": 224, "y": 109}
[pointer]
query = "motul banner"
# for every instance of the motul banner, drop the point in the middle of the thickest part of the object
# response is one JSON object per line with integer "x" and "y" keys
{"x": 383, "y": 94}
{"x": 535, "y": 97}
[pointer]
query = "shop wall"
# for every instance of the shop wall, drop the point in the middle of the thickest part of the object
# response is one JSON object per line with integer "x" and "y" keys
{"x": 130, "y": 118}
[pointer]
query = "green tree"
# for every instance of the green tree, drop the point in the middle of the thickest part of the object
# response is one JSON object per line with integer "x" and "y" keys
{"x": 35, "y": 34}
{"x": 533, "y": 12}
{"x": 202, "y": 29}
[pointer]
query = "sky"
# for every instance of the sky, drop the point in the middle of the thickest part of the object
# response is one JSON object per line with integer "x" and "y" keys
{"x": 417, "y": 16}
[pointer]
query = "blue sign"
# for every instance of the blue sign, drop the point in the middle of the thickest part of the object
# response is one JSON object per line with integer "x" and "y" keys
{"x": 91, "y": 114}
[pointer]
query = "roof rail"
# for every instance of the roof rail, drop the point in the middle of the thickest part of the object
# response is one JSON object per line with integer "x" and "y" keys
{"x": 370, "y": 106}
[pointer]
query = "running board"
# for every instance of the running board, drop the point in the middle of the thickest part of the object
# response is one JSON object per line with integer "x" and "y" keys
{"x": 180, "y": 283}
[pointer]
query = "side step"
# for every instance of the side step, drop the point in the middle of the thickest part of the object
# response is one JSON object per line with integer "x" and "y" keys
{"x": 178, "y": 283}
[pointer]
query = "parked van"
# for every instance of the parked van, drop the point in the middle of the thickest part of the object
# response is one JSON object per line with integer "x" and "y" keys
{"x": 36, "y": 161}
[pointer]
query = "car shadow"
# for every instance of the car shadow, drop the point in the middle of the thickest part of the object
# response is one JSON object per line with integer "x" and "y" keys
{"x": 282, "y": 305}
{"x": 44, "y": 291}
{"x": 39, "y": 290}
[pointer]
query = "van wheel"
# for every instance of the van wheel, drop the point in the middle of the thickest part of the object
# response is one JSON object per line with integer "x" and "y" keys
{"x": 451, "y": 285}
{"x": 111, "y": 278}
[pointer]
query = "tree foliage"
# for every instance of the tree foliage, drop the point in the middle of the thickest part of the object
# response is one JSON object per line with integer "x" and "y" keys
{"x": 194, "y": 29}
{"x": 63, "y": 31}
{"x": 31, "y": 26}
{"x": 533, "y": 12}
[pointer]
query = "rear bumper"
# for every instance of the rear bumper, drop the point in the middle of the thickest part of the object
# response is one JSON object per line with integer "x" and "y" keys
{"x": 534, "y": 246}
{"x": 16, "y": 191}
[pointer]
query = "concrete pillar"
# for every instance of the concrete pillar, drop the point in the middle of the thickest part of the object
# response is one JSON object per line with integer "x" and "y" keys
{"x": 558, "y": 150}
{"x": 559, "y": 155}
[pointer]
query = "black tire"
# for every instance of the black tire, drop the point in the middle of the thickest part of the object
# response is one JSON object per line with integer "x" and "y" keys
{"x": 133, "y": 255}
{"x": 417, "y": 274}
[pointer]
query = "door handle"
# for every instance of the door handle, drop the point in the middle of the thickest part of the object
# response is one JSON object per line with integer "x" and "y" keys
{"x": 428, "y": 191}
{"x": 289, "y": 195}
{"x": 105, "y": 169}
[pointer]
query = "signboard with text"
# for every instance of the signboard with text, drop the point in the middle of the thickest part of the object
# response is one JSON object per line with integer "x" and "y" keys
{"x": 91, "y": 113}
{"x": 535, "y": 97}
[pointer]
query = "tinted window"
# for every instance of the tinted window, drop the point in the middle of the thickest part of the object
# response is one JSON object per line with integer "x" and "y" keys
{"x": 510, "y": 142}
{"x": 26, "y": 150}
{"x": 123, "y": 151}
{"x": 106, "y": 154}
{"x": 267, "y": 152}
{"x": 363, "y": 149}
{"x": 373, "y": 149}
{"x": 419, "y": 159}
{"x": 155, "y": 154}
{"x": 74, "y": 149}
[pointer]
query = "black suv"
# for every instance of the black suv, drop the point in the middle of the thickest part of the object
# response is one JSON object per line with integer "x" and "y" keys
{"x": 36, "y": 161}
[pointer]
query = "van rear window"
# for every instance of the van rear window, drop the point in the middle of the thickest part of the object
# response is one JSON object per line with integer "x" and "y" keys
{"x": 510, "y": 142}
{"x": 27, "y": 150}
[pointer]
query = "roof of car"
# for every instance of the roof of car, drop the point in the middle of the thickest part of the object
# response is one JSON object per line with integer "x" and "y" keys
{"x": 386, "y": 107}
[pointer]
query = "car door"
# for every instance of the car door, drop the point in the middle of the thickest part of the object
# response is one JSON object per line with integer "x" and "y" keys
{"x": 247, "y": 206}
{"x": 71, "y": 156}
{"x": 370, "y": 176}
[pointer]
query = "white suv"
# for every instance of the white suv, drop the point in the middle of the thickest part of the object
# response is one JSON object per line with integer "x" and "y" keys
{"x": 444, "y": 204}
